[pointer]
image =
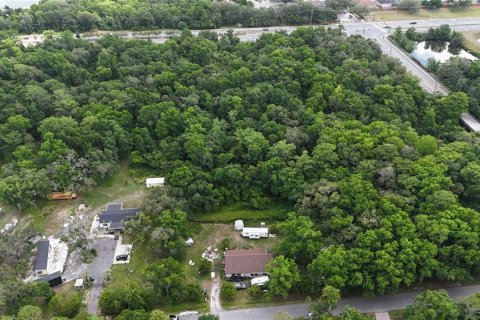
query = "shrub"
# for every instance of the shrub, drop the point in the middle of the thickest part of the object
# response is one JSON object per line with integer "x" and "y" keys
{"x": 225, "y": 244}
{"x": 204, "y": 267}
{"x": 227, "y": 291}
{"x": 255, "y": 291}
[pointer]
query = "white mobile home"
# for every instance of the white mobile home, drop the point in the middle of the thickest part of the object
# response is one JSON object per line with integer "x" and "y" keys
{"x": 154, "y": 182}
{"x": 255, "y": 233}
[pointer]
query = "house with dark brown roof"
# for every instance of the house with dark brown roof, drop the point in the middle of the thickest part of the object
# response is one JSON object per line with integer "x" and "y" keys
{"x": 246, "y": 263}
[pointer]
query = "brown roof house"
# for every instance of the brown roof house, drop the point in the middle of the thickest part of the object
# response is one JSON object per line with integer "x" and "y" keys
{"x": 246, "y": 263}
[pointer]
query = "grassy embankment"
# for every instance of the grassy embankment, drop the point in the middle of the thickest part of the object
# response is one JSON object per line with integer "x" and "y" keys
{"x": 471, "y": 41}
{"x": 424, "y": 14}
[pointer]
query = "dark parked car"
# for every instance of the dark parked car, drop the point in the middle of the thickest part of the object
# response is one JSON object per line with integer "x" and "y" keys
{"x": 235, "y": 278}
{"x": 122, "y": 257}
{"x": 240, "y": 285}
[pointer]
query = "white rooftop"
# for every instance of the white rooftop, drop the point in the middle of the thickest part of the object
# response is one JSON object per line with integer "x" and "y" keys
{"x": 78, "y": 283}
{"x": 255, "y": 229}
{"x": 155, "y": 180}
{"x": 471, "y": 122}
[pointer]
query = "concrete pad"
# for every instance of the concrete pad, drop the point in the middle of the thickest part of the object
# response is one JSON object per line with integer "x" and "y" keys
{"x": 122, "y": 249}
{"x": 382, "y": 316}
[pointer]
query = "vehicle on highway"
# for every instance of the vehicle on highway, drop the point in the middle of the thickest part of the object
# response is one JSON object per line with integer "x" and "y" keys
{"x": 414, "y": 22}
{"x": 122, "y": 257}
{"x": 240, "y": 285}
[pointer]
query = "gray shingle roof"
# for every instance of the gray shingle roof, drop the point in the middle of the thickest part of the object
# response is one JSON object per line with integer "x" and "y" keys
{"x": 41, "y": 262}
{"x": 115, "y": 215}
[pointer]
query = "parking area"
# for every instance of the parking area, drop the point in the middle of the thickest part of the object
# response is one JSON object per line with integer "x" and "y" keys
{"x": 122, "y": 252}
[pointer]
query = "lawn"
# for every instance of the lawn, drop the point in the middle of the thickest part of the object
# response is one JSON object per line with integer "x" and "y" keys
{"x": 244, "y": 300}
{"x": 471, "y": 41}
{"x": 238, "y": 210}
{"x": 396, "y": 314}
{"x": 422, "y": 14}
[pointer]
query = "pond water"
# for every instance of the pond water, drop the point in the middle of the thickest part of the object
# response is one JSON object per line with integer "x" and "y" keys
{"x": 17, "y": 3}
{"x": 438, "y": 50}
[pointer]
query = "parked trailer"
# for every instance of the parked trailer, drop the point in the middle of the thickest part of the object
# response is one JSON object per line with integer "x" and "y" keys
{"x": 259, "y": 281}
{"x": 61, "y": 195}
{"x": 255, "y": 233}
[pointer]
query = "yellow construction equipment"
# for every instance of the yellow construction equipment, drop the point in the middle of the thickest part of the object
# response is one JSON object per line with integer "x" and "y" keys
{"x": 68, "y": 195}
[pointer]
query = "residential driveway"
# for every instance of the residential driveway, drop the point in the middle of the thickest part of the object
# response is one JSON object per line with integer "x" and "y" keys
{"x": 105, "y": 253}
{"x": 215, "y": 306}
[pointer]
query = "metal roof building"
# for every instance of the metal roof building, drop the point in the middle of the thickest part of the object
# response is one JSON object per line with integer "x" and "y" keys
{"x": 41, "y": 261}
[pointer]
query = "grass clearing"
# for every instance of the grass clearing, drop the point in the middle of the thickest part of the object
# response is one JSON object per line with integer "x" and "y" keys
{"x": 244, "y": 300}
{"x": 471, "y": 41}
{"x": 48, "y": 216}
{"x": 422, "y": 14}
{"x": 138, "y": 260}
{"x": 396, "y": 314}
{"x": 239, "y": 210}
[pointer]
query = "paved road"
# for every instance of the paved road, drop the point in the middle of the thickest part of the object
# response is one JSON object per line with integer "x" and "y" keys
{"x": 368, "y": 29}
{"x": 378, "y": 304}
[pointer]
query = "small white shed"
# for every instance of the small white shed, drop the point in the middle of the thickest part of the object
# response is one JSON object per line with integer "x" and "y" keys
{"x": 78, "y": 284}
{"x": 238, "y": 225}
{"x": 155, "y": 182}
{"x": 255, "y": 233}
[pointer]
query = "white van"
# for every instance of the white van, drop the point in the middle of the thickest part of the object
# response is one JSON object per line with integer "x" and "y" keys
{"x": 259, "y": 281}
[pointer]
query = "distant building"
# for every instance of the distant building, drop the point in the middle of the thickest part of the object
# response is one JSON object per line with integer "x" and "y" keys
{"x": 246, "y": 263}
{"x": 41, "y": 260}
{"x": 53, "y": 279}
{"x": 114, "y": 216}
{"x": 154, "y": 182}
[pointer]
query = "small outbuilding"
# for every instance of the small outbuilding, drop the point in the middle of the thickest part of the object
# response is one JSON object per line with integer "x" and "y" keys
{"x": 41, "y": 260}
{"x": 239, "y": 225}
{"x": 255, "y": 233}
{"x": 78, "y": 284}
{"x": 155, "y": 182}
{"x": 53, "y": 279}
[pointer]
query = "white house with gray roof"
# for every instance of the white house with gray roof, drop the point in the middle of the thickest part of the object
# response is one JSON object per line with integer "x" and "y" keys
{"x": 114, "y": 216}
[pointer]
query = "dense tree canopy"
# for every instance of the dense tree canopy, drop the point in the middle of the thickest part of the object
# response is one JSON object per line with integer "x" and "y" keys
{"x": 380, "y": 174}
{"x": 86, "y": 15}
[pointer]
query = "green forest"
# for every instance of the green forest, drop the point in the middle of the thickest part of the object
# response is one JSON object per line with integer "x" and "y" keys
{"x": 384, "y": 181}
{"x": 87, "y": 15}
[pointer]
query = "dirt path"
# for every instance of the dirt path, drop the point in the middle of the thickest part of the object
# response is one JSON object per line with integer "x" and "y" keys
{"x": 215, "y": 306}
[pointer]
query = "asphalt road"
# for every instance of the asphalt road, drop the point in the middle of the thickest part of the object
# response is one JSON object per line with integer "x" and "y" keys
{"x": 378, "y": 304}
{"x": 367, "y": 29}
